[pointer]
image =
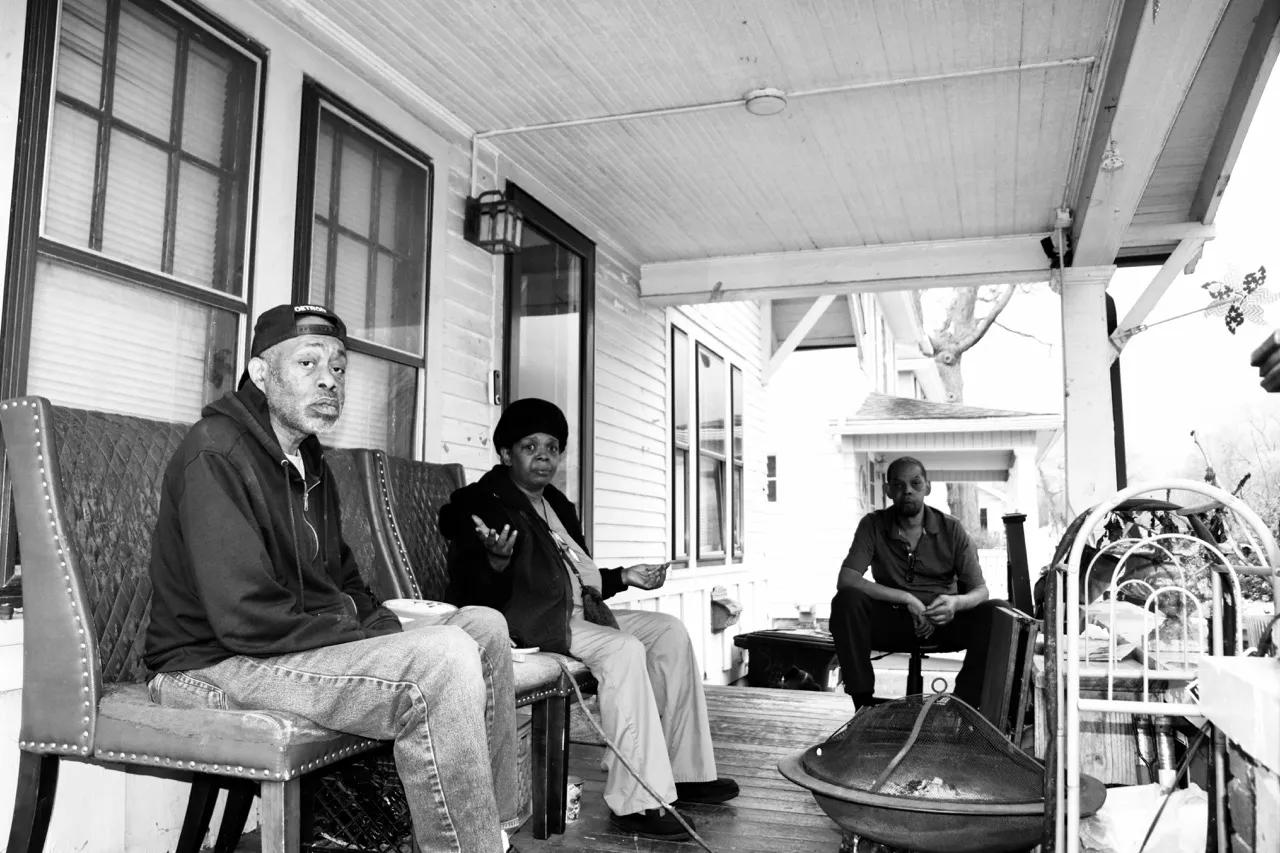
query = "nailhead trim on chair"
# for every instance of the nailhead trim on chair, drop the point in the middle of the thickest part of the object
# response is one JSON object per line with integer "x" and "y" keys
{"x": 384, "y": 489}
{"x": 239, "y": 770}
{"x": 86, "y": 672}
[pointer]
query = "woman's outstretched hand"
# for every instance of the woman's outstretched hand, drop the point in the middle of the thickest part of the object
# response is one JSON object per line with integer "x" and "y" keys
{"x": 645, "y": 575}
{"x": 499, "y": 544}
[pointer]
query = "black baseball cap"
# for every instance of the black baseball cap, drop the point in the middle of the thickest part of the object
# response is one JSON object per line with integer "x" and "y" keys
{"x": 289, "y": 321}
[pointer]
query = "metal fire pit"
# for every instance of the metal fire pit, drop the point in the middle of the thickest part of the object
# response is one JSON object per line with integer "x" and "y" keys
{"x": 930, "y": 774}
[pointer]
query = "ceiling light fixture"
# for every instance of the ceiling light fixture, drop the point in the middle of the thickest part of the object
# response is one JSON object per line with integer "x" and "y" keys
{"x": 765, "y": 102}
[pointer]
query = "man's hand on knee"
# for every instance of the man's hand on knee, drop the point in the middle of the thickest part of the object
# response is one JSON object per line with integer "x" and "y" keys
{"x": 943, "y": 610}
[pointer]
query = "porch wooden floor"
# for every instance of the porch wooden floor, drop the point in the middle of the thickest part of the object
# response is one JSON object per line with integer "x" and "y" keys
{"x": 753, "y": 728}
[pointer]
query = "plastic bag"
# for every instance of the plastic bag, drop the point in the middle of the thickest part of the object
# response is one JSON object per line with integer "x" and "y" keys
{"x": 1121, "y": 823}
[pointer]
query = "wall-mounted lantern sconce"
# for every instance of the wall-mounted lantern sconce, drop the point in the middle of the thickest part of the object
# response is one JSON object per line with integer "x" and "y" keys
{"x": 494, "y": 223}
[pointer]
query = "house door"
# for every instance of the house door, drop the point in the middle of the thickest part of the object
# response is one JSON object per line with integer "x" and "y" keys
{"x": 549, "y": 333}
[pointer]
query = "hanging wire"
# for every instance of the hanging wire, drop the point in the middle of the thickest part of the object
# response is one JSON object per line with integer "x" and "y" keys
{"x": 1142, "y": 327}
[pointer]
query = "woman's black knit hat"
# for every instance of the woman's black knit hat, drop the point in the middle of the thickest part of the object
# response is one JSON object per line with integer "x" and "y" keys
{"x": 527, "y": 416}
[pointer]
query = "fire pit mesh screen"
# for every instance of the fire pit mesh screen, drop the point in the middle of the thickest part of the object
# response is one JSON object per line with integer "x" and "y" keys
{"x": 931, "y": 748}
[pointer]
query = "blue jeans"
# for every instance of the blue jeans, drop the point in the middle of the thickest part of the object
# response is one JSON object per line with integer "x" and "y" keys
{"x": 444, "y": 693}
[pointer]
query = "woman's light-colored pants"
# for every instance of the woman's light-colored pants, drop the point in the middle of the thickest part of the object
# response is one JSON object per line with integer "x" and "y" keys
{"x": 651, "y": 704}
{"x": 443, "y": 693}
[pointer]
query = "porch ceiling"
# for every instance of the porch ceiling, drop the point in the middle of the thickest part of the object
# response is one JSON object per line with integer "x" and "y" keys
{"x": 951, "y": 134}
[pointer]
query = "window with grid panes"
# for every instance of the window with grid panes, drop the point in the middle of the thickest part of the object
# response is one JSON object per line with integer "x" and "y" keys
{"x": 141, "y": 253}
{"x": 736, "y": 459}
{"x": 680, "y": 432}
{"x": 712, "y": 467}
{"x": 707, "y": 450}
{"x": 366, "y": 202}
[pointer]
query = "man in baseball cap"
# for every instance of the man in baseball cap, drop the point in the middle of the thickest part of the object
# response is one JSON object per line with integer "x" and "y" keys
{"x": 257, "y": 602}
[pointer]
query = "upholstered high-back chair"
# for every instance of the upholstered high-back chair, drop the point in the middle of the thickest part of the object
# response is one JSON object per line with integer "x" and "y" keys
{"x": 86, "y": 490}
{"x": 415, "y": 492}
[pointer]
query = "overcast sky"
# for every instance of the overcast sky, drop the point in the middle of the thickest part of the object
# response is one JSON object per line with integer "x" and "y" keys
{"x": 1177, "y": 376}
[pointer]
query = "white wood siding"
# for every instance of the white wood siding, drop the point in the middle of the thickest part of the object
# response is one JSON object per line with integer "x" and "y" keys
{"x": 459, "y": 403}
{"x": 631, "y": 424}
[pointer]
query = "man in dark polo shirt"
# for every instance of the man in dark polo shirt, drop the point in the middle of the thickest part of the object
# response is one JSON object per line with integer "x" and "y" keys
{"x": 926, "y": 587}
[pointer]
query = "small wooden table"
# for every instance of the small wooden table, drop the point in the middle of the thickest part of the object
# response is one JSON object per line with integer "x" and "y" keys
{"x": 772, "y": 653}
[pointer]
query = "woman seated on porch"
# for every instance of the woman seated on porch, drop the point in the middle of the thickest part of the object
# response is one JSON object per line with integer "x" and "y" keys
{"x": 516, "y": 544}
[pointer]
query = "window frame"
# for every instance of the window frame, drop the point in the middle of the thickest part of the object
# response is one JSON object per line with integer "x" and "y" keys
{"x": 315, "y": 99}
{"x": 699, "y": 340}
{"x": 27, "y": 244}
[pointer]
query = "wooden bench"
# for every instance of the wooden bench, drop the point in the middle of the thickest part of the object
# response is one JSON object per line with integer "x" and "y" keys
{"x": 390, "y": 506}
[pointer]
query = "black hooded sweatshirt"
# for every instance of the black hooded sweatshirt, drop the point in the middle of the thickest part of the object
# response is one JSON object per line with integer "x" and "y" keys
{"x": 533, "y": 590}
{"x": 247, "y": 558}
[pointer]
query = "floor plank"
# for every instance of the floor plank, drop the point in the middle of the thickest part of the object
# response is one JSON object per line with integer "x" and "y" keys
{"x": 752, "y": 728}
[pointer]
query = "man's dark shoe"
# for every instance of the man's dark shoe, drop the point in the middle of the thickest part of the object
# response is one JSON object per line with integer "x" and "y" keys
{"x": 716, "y": 791}
{"x": 651, "y": 823}
{"x": 866, "y": 700}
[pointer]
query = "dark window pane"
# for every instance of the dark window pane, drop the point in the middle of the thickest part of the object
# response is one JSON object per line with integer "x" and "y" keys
{"x": 380, "y": 404}
{"x": 711, "y": 449}
{"x": 737, "y": 512}
{"x": 131, "y": 325}
{"x": 736, "y": 405}
{"x": 681, "y": 383}
{"x": 351, "y": 285}
{"x": 133, "y": 218}
{"x": 195, "y": 238}
{"x": 735, "y": 393}
{"x": 204, "y": 115}
{"x": 73, "y": 147}
{"x": 680, "y": 509}
{"x": 355, "y": 185}
{"x": 145, "y": 60}
{"x": 84, "y": 24}
{"x": 710, "y": 506}
{"x": 324, "y": 169}
{"x": 680, "y": 380}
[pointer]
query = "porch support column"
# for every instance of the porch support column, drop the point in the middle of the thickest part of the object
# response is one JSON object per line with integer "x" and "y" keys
{"x": 1023, "y": 497}
{"x": 1087, "y": 411}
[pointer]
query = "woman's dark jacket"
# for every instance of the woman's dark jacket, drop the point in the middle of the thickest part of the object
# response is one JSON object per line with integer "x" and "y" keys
{"x": 247, "y": 558}
{"x": 534, "y": 589}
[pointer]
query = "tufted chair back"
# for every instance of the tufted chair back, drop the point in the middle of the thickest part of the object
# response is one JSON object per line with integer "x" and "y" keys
{"x": 416, "y": 491}
{"x": 86, "y": 488}
{"x": 364, "y": 523}
{"x": 98, "y": 493}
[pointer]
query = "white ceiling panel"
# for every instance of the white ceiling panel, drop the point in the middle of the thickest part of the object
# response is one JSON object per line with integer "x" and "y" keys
{"x": 938, "y": 120}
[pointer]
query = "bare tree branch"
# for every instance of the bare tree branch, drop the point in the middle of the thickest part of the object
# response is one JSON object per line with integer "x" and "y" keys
{"x": 1013, "y": 331}
{"x": 983, "y": 323}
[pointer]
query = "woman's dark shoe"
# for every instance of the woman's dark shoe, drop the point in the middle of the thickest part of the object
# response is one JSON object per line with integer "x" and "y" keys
{"x": 716, "y": 791}
{"x": 650, "y": 823}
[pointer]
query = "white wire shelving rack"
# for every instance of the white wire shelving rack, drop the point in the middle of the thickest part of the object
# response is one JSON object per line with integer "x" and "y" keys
{"x": 1184, "y": 592}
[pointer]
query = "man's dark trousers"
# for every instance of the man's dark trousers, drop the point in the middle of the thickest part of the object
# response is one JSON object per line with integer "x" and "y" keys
{"x": 861, "y": 624}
